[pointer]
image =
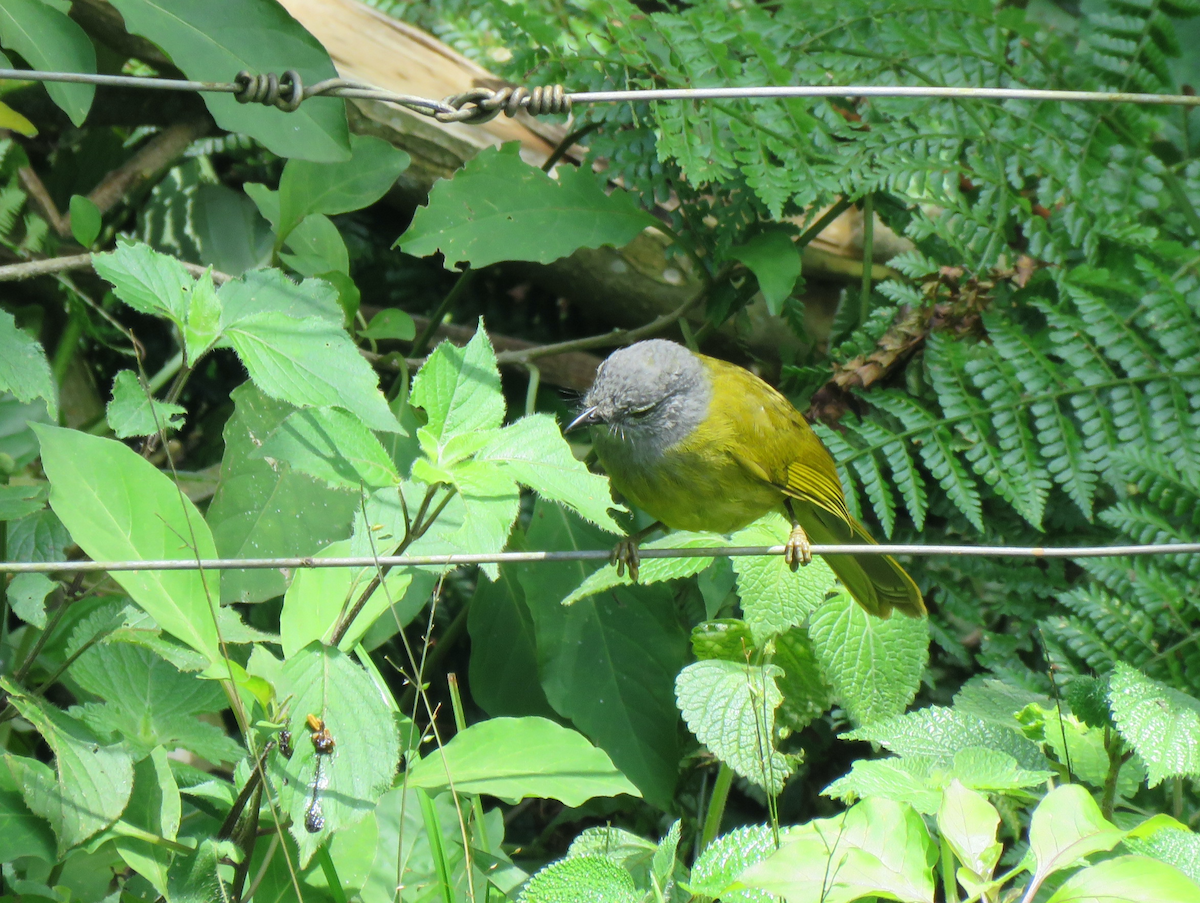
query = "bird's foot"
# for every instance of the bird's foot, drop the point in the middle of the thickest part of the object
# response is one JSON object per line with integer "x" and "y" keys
{"x": 798, "y": 551}
{"x": 625, "y": 554}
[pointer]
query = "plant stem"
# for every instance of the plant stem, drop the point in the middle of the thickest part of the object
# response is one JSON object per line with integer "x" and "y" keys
{"x": 435, "y": 319}
{"x": 460, "y": 724}
{"x": 169, "y": 369}
{"x": 535, "y": 379}
{"x": 716, "y": 806}
{"x": 1114, "y": 746}
{"x": 868, "y": 251}
{"x": 843, "y": 204}
{"x": 949, "y": 883}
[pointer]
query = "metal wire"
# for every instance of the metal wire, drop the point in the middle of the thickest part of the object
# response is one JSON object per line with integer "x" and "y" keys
{"x": 480, "y": 105}
{"x": 229, "y": 564}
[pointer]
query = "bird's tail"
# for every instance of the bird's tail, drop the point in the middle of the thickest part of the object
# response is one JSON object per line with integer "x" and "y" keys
{"x": 877, "y": 582}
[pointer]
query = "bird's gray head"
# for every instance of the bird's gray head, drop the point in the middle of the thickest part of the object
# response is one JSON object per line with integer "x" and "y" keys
{"x": 650, "y": 395}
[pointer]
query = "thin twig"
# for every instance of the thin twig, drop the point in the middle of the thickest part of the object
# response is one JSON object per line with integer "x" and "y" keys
{"x": 53, "y": 265}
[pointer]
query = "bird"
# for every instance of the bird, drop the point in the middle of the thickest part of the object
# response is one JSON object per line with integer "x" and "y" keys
{"x": 701, "y": 444}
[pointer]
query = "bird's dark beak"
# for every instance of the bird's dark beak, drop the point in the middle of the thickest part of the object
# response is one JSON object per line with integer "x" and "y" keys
{"x": 587, "y": 418}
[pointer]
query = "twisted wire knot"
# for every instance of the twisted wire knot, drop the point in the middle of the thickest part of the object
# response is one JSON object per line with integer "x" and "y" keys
{"x": 480, "y": 105}
{"x": 286, "y": 93}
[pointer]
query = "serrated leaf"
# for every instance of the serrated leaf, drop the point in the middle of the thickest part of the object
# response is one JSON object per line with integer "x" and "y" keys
{"x": 325, "y": 682}
{"x": 595, "y": 879}
{"x": 202, "y": 327}
{"x": 118, "y": 506}
{"x": 146, "y": 280}
{"x": 270, "y": 291}
{"x": 653, "y": 570}
{"x": 27, "y": 595}
{"x": 459, "y": 389}
{"x": 726, "y": 858}
{"x": 775, "y": 598}
{"x": 134, "y": 412}
{"x": 154, "y": 807}
{"x": 730, "y": 707}
{"x": 874, "y": 666}
{"x": 24, "y": 370}
{"x": 1174, "y": 846}
{"x": 498, "y": 207}
{"x": 726, "y": 638}
{"x": 805, "y": 693}
{"x": 515, "y": 758}
{"x": 17, "y": 502}
{"x": 902, "y": 780}
{"x": 334, "y": 446}
{"x": 1162, "y": 724}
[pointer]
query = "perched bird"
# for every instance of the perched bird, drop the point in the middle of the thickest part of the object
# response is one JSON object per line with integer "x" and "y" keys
{"x": 702, "y": 444}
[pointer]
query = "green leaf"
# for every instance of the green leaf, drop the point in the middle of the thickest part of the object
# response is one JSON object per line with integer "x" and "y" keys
{"x": 774, "y": 598}
{"x": 902, "y": 780}
{"x": 726, "y": 638}
{"x": 21, "y": 832}
{"x": 774, "y": 259}
{"x": 24, "y": 370}
{"x": 805, "y": 694}
{"x": 662, "y": 866}
{"x": 730, "y": 707}
{"x": 318, "y": 598}
{"x": 204, "y": 319}
{"x": 317, "y": 247}
{"x": 1065, "y": 827}
{"x": 233, "y": 237}
{"x": 27, "y": 595}
{"x": 968, "y": 823}
{"x": 155, "y": 808}
{"x": 89, "y": 785}
{"x": 1162, "y": 724}
{"x": 333, "y": 446}
{"x": 212, "y": 41}
{"x": 86, "y": 220}
{"x": 118, "y": 506}
{"x": 1175, "y": 846}
{"x": 1128, "y": 879}
{"x": 514, "y": 758}
{"x": 12, "y": 120}
{"x": 195, "y": 877}
{"x": 332, "y": 188}
{"x": 270, "y": 291}
{"x": 310, "y": 363}
{"x": 653, "y": 570}
{"x": 49, "y": 39}
{"x": 17, "y": 502}
{"x": 593, "y": 878}
{"x": 133, "y": 411}
{"x": 504, "y": 655}
{"x": 726, "y": 858}
{"x": 325, "y": 682}
{"x": 459, "y": 389}
{"x": 533, "y": 452}
{"x": 607, "y": 663}
{"x": 498, "y": 207}
{"x": 874, "y": 666}
{"x": 390, "y": 323}
{"x": 146, "y": 280}
{"x": 877, "y": 848}
{"x": 38, "y": 537}
{"x": 263, "y": 509}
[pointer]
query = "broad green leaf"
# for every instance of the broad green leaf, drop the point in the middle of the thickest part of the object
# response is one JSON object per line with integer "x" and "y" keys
{"x": 202, "y": 328}
{"x": 730, "y": 707}
{"x": 725, "y": 638}
{"x": 17, "y": 439}
{"x": 333, "y": 446}
{"x": 992, "y": 770}
{"x": 653, "y": 570}
{"x": 213, "y": 40}
{"x": 774, "y": 259}
{"x": 146, "y": 280}
{"x": 118, "y": 506}
{"x": 325, "y": 682}
{"x": 514, "y": 758}
{"x": 232, "y": 236}
{"x": 332, "y": 188}
{"x": 774, "y": 598}
{"x": 938, "y": 733}
{"x": 38, "y": 537}
{"x": 309, "y": 363}
{"x": 134, "y": 412}
{"x": 504, "y": 655}
{"x": 607, "y": 663}
{"x": 902, "y": 780}
{"x": 154, "y": 807}
{"x": 805, "y": 694}
{"x": 89, "y": 785}
{"x": 21, "y": 832}
{"x": 630, "y": 851}
{"x": 968, "y": 822}
{"x": 150, "y": 703}
{"x": 876, "y": 848}
{"x": 264, "y": 509}
{"x": 390, "y": 323}
{"x": 24, "y": 370}
{"x": 491, "y": 502}
{"x": 86, "y": 220}
{"x": 874, "y": 666}
{"x": 459, "y": 389}
{"x": 593, "y": 878}
{"x": 533, "y": 452}
{"x": 1084, "y": 747}
{"x": 498, "y": 207}
{"x": 726, "y": 858}
{"x": 195, "y": 877}
{"x": 317, "y": 247}
{"x": 17, "y": 502}
{"x": 318, "y": 597}
{"x": 49, "y": 39}
{"x": 270, "y": 291}
{"x": 27, "y": 595}
{"x": 1128, "y": 879}
{"x": 1161, "y": 723}
{"x": 663, "y": 864}
{"x": 1065, "y": 827}
{"x": 1175, "y": 846}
